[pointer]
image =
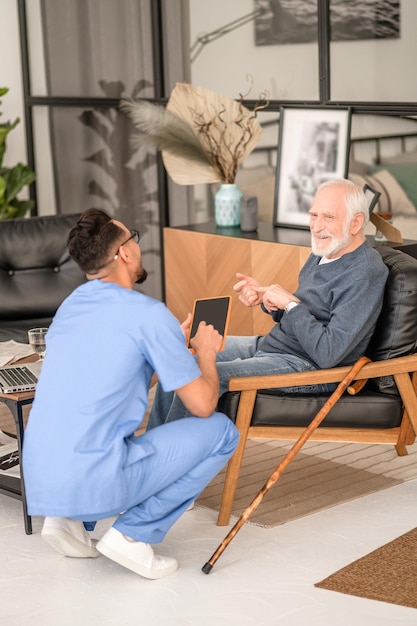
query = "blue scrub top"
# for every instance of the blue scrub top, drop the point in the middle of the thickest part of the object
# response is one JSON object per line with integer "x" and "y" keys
{"x": 102, "y": 348}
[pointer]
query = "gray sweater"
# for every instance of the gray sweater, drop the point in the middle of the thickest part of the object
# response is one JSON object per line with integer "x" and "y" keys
{"x": 340, "y": 304}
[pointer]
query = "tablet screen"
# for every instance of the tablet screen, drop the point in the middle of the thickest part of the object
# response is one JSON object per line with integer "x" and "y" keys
{"x": 213, "y": 311}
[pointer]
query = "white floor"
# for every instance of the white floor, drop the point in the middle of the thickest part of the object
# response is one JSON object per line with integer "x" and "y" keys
{"x": 265, "y": 577}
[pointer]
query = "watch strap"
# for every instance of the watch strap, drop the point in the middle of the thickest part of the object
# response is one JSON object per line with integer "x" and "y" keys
{"x": 291, "y": 306}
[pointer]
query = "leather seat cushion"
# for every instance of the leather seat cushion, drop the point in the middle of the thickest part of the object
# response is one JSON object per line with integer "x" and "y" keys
{"x": 368, "y": 409}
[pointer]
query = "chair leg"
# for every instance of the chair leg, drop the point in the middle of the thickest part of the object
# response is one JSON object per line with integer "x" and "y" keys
{"x": 407, "y": 389}
{"x": 401, "y": 449}
{"x": 243, "y": 419}
{"x": 230, "y": 484}
{"x": 408, "y": 431}
{"x": 406, "y": 436}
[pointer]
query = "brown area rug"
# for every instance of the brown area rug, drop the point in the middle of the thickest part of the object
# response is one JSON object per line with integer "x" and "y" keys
{"x": 322, "y": 475}
{"x": 388, "y": 574}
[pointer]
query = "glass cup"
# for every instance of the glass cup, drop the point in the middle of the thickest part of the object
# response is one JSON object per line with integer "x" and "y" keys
{"x": 36, "y": 338}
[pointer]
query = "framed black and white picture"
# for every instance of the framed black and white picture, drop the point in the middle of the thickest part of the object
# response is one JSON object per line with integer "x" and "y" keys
{"x": 313, "y": 147}
{"x": 372, "y": 196}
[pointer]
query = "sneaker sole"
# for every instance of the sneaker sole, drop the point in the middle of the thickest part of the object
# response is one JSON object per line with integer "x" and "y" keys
{"x": 123, "y": 560}
{"x": 63, "y": 542}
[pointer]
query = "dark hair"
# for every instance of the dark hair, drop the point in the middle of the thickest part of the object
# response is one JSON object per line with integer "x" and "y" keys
{"x": 93, "y": 240}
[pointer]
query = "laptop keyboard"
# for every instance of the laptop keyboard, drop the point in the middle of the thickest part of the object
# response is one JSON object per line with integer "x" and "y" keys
{"x": 19, "y": 376}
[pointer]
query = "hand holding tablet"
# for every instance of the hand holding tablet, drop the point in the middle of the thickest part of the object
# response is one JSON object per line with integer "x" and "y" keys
{"x": 214, "y": 311}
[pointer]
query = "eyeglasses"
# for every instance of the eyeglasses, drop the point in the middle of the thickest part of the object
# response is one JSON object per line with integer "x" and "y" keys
{"x": 135, "y": 235}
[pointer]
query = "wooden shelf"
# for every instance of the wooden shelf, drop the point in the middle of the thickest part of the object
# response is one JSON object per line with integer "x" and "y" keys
{"x": 201, "y": 260}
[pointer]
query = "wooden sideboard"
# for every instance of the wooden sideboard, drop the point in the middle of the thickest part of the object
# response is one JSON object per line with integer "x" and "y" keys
{"x": 202, "y": 261}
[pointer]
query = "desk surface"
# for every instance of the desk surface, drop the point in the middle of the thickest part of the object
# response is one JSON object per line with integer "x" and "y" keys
{"x": 290, "y": 236}
{"x": 265, "y": 232}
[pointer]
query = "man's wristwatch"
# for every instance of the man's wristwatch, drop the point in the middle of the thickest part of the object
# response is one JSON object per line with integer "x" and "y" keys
{"x": 291, "y": 305}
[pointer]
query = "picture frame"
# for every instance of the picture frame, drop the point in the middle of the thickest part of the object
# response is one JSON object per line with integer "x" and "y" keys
{"x": 313, "y": 146}
{"x": 372, "y": 195}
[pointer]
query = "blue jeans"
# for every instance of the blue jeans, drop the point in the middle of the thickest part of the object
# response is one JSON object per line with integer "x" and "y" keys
{"x": 242, "y": 356}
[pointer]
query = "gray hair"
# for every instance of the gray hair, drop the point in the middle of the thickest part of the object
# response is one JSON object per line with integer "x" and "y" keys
{"x": 355, "y": 199}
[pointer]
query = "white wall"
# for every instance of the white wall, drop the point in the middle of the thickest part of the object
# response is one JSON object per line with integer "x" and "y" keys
{"x": 362, "y": 70}
{"x": 11, "y": 77}
{"x": 269, "y": 65}
{"x": 285, "y": 72}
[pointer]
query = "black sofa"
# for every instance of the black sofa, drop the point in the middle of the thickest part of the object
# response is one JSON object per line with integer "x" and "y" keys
{"x": 36, "y": 272}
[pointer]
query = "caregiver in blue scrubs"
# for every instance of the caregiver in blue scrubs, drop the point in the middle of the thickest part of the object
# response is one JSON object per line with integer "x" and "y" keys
{"x": 81, "y": 458}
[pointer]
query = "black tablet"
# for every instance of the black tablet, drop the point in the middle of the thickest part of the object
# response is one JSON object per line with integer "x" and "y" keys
{"x": 215, "y": 311}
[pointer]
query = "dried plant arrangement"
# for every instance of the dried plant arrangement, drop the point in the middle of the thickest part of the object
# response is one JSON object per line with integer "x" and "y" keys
{"x": 203, "y": 136}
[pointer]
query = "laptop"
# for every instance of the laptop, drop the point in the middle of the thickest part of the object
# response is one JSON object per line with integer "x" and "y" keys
{"x": 17, "y": 378}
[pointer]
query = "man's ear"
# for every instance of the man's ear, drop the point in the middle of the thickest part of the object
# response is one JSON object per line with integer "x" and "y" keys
{"x": 124, "y": 254}
{"x": 357, "y": 223}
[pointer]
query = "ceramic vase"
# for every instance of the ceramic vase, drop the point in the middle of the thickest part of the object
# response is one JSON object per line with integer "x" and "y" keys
{"x": 227, "y": 205}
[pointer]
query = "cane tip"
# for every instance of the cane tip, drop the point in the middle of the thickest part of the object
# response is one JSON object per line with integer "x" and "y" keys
{"x": 207, "y": 568}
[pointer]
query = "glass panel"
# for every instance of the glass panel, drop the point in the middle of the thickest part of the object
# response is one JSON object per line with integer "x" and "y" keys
{"x": 251, "y": 47}
{"x": 384, "y": 155}
{"x": 255, "y": 177}
{"x": 88, "y": 154}
{"x": 273, "y": 42}
{"x": 378, "y": 138}
{"x": 77, "y": 45}
{"x": 373, "y": 43}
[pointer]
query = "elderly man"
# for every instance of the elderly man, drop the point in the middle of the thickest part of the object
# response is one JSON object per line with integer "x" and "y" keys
{"x": 82, "y": 461}
{"x": 327, "y": 321}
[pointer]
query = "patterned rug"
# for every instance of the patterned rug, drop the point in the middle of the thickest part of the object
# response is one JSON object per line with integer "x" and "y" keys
{"x": 322, "y": 475}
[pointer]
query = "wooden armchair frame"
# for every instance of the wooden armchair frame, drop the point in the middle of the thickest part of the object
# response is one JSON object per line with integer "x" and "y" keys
{"x": 404, "y": 371}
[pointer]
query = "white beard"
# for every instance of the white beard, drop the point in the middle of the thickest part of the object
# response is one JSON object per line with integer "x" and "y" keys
{"x": 334, "y": 243}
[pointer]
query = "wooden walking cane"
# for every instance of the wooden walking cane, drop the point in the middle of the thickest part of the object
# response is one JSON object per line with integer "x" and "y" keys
{"x": 330, "y": 402}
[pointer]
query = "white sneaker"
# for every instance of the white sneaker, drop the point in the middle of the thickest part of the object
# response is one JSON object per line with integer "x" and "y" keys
{"x": 69, "y": 537}
{"x": 135, "y": 555}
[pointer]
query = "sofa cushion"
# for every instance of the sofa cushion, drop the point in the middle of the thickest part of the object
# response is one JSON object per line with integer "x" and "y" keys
{"x": 393, "y": 198}
{"x": 404, "y": 173}
{"x": 36, "y": 272}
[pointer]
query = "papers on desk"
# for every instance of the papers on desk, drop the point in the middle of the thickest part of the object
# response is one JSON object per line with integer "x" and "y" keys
{"x": 11, "y": 351}
{"x": 9, "y": 455}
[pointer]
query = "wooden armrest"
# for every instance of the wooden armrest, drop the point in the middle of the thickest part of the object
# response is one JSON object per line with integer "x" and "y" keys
{"x": 388, "y": 367}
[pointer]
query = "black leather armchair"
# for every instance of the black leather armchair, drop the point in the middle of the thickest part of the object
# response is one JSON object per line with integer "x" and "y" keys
{"x": 36, "y": 272}
{"x": 383, "y": 410}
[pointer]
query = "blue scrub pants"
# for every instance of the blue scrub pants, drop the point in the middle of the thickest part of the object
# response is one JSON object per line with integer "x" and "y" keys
{"x": 188, "y": 454}
{"x": 241, "y": 357}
